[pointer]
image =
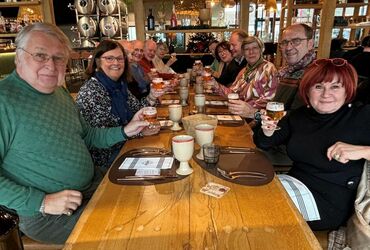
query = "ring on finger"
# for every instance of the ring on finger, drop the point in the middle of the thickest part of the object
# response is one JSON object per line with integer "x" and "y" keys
{"x": 69, "y": 213}
{"x": 336, "y": 156}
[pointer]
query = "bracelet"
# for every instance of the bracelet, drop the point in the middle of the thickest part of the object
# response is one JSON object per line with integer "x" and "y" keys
{"x": 125, "y": 136}
{"x": 42, "y": 208}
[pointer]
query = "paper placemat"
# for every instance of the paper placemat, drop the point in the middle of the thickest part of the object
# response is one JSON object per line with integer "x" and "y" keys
{"x": 227, "y": 117}
{"x": 217, "y": 103}
{"x": 168, "y": 102}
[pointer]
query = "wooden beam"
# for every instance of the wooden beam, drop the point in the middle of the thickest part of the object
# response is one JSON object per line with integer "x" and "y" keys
{"x": 327, "y": 21}
{"x": 244, "y": 14}
{"x": 139, "y": 19}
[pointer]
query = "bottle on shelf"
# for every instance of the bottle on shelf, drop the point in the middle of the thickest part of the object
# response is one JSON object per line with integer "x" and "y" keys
{"x": 173, "y": 16}
{"x": 150, "y": 20}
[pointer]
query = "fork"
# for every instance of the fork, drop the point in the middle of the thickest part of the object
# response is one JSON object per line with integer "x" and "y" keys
{"x": 224, "y": 173}
{"x": 233, "y": 177}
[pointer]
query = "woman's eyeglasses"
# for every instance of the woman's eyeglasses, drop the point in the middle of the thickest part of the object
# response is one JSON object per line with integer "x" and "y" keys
{"x": 111, "y": 59}
{"x": 339, "y": 62}
{"x": 294, "y": 42}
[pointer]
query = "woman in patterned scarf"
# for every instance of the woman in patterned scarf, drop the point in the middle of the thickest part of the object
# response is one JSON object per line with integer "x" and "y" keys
{"x": 255, "y": 84}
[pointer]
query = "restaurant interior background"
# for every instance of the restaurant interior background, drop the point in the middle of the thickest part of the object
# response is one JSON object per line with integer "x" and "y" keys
{"x": 197, "y": 21}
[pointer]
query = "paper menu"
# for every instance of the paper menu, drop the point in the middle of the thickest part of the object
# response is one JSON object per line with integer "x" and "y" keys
{"x": 217, "y": 103}
{"x": 164, "y": 102}
{"x": 147, "y": 163}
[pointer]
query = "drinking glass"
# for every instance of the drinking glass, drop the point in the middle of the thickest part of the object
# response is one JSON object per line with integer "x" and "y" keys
{"x": 200, "y": 102}
{"x": 183, "y": 148}
{"x": 150, "y": 114}
{"x": 211, "y": 153}
{"x": 275, "y": 110}
{"x": 232, "y": 96}
{"x": 204, "y": 134}
{"x": 184, "y": 94}
{"x": 175, "y": 113}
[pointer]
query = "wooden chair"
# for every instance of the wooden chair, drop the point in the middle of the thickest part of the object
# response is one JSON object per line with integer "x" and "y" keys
{"x": 30, "y": 244}
{"x": 322, "y": 237}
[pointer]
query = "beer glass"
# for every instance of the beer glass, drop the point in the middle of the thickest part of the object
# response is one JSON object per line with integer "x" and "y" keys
{"x": 200, "y": 102}
{"x": 184, "y": 94}
{"x": 183, "y": 148}
{"x": 232, "y": 96}
{"x": 275, "y": 110}
{"x": 175, "y": 113}
{"x": 150, "y": 115}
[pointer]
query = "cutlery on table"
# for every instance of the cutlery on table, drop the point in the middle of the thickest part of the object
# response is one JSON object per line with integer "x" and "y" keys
{"x": 240, "y": 173}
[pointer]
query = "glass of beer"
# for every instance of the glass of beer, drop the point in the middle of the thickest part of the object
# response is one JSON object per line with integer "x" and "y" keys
{"x": 157, "y": 83}
{"x": 150, "y": 115}
{"x": 275, "y": 110}
{"x": 232, "y": 96}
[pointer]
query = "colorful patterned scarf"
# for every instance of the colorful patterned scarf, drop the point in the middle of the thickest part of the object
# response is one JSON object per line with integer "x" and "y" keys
{"x": 250, "y": 68}
{"x": 296, "y": 70}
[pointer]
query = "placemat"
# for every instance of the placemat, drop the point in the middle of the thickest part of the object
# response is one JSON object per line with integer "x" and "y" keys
{"x": 116, "y": 175}
{"x": 253, "y": 161}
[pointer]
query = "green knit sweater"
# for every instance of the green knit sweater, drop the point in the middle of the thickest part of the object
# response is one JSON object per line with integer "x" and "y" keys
{"x": 43, "y": 145}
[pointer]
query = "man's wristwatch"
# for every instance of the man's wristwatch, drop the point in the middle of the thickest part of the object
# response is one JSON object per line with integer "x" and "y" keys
{"x": 257, "y": 115}
{"x": 42, "y": 207}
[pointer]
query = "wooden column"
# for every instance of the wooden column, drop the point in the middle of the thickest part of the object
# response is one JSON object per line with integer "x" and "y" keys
{"x": 244, "y": 14}
{"x": 327, "y": 21}
{"x": 139, "y": 19}
{"x": 48, "y": 11}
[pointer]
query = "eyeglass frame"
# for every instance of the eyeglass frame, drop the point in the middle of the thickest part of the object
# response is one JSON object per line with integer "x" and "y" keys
{"x": 111, "y": 59}
{"x": 57, "y": 60}
{"x": 294, "y": 42}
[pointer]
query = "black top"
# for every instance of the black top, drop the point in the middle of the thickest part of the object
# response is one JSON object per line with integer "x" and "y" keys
{"x": 361, "y": 63}
{"x": 308, "y": 135}
{"x": 229, "y": 73}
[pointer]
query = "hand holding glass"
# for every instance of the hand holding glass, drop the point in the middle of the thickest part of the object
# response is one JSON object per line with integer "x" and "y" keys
{"x": 275, "y": 110}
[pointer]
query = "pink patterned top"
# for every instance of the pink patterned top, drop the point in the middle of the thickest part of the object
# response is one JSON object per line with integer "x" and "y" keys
{"x": 257, "y": 88}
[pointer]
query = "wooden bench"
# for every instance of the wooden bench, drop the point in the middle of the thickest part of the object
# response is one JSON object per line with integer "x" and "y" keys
{"x": 30, "y": 244}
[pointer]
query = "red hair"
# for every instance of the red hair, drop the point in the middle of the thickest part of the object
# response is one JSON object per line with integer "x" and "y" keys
{"x": 324, "y": 70}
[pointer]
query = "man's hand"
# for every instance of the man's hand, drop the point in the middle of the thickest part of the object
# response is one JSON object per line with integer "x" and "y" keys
{"x": 63, "y": 202}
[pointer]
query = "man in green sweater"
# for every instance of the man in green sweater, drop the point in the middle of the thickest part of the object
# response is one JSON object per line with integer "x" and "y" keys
{"x": 46, "y": 172}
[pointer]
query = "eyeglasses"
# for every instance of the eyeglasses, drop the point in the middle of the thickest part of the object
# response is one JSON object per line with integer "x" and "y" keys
{"x": 44, "y": 58}
{"x": 339, "y": 62}
{"x": 222, "y": 51}
{"x": 111, "y": 59}
{"x": 295, "y": 42}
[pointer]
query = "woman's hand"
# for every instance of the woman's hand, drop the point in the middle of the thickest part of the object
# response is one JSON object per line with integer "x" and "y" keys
{"x": 63, "y": 202}
{"x": 239, "y": 107}
{"x": 344, "y": 152}
{"x": 268, "y": 125}
{"x": 171, "y": 60}
{"x": 136, "y": 125}
{"x": 152, "y": 129}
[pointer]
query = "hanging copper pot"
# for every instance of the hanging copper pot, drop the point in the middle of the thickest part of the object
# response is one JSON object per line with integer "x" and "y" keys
{"x": 85, "y": 7}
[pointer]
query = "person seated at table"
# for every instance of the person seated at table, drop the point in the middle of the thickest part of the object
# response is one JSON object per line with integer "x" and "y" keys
{"x": 327, "y": 140}
{"x": 336, "y": 47}
{"x": 228, "y": 68}
{"x": 162, "y": 50}
{"x": 140, "y": 86}
{"x": 46, "y": 172}
{"x": 212, "y": 49}
{"x": 236, "y": 39}
{"x": 255, "y": 84}
{"x": 150, "y": 48}
{"x": 104, "y": 100}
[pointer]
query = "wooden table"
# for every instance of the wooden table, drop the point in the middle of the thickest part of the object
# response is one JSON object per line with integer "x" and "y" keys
{"x": 177, "y": 216}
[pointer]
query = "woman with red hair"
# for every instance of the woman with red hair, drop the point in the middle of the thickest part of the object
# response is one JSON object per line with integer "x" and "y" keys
{"x": 328, "y": 141}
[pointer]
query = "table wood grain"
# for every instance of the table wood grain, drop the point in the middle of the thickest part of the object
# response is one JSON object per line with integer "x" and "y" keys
{"x": 177, "y": 216}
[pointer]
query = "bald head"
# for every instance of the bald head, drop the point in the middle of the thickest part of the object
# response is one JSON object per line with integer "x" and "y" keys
{"x": 150, "y": 48}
